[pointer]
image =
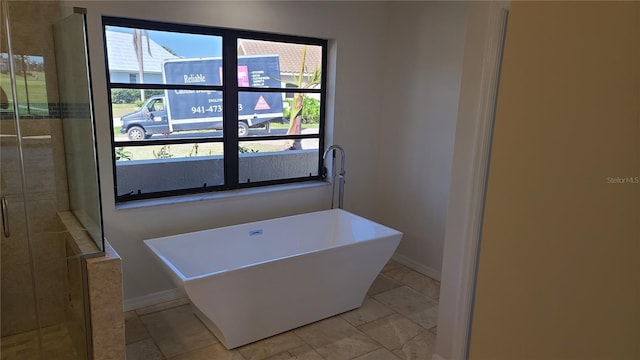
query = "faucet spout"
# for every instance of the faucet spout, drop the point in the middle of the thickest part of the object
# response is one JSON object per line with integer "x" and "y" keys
{"x": 341, "y": 175}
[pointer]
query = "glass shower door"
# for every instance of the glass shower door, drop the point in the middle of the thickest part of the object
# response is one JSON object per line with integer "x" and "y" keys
{"x": 40, "y": 317}
{"x": 18, "y": 310}
{"x": 20, "y": 337}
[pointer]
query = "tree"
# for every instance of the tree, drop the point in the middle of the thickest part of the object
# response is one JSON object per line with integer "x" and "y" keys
{"x": 137, "y": 47}
{"x": 297, "y": 105}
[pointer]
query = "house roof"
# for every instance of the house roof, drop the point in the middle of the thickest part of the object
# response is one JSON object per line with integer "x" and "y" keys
{"x": 122, "y": 56}
{"x": 290, "y": 54}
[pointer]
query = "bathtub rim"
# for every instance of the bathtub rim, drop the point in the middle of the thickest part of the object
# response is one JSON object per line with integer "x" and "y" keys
{"x": 166, "y": 262}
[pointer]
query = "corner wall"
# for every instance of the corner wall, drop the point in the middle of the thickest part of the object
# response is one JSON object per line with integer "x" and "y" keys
{"x": 423, "y": 52}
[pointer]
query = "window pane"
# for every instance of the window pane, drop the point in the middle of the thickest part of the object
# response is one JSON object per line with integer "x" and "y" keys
{"x": 174, "y": 151}
{"x": 157, "y": 57}
{"x": 172, "y": 114}
{"x": 157, "y": 168}
{"x": 198, "y": 71}
{"x": 262, "y": 112}
{"x": 259, "y": 58}
{"x": 31, "y": 88}
{"x": 261, "y": 71}
{"x": 258, "y": 110}
{"x": 271, "y": 160}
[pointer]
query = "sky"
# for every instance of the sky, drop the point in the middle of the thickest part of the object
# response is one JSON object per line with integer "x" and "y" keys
{"x": 184, "y": 45}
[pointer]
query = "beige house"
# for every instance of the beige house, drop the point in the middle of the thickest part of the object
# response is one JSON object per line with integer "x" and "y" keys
{"x": 290, "y": 56}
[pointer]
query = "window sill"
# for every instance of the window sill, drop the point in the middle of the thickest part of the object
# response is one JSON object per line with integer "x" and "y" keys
{"x": 220, "y": 195}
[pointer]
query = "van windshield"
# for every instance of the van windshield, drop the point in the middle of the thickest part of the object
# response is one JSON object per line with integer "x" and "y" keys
{"x": 155, "y": 105}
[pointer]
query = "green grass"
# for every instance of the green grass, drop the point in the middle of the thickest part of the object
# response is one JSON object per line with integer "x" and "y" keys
{"x": 37, "y": 92}
{"x": 122, "y": 109}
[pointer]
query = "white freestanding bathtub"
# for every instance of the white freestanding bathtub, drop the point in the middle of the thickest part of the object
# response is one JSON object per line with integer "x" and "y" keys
{"x": 251, "y": 281}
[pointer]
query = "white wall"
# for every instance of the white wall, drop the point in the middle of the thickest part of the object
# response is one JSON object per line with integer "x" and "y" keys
{"x": 398, "y": 175}
{"x": 423, "y": 59}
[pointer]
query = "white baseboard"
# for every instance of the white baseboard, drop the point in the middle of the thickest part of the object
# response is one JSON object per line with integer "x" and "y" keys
{"x": 153, "y": 299}
{"x": 419, "y": 267}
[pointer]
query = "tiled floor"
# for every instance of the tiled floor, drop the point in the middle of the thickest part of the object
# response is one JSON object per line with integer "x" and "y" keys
{"x": 56, "y": 344}
{"x": 397, "y": 321}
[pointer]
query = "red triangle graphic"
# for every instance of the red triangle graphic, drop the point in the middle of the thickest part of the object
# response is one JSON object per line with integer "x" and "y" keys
{"x": 262, "y": 104}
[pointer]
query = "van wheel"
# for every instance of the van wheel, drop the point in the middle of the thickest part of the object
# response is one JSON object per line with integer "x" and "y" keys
{"x": 136, "y": 133}
{"x": 243, "y": 129}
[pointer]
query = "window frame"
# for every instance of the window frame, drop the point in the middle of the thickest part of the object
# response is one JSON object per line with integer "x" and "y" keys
{"x": 230, "y": 91}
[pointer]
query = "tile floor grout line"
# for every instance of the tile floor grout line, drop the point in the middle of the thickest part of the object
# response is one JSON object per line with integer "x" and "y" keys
{"x": 419, "y": 295}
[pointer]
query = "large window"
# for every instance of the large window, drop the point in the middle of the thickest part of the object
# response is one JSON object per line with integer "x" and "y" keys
{"x": 178, "y": 128}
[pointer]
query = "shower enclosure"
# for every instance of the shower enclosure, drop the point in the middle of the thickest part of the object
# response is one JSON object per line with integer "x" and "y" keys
{"x": 48, "y": 179}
